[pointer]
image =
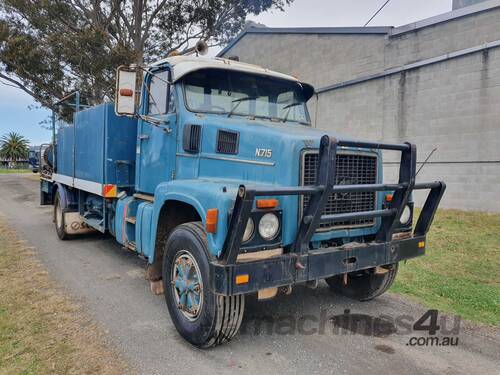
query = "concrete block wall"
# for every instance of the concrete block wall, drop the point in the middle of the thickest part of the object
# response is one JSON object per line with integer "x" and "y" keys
{"x": 457, "y": 4}
{"x": 452, "y": 105}
{"x": 312, "y": 57}
{"x": 442, "y": 38}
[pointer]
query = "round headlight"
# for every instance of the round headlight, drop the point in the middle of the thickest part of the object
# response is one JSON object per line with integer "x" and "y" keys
{"x": 248, "y": 230}
{"x": 269, "y": 226}
{"x": 406, "y": 215}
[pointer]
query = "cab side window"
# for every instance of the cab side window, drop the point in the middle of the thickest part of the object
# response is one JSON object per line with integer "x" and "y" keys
{"x": 171, "y": 100}
{"x": 157, "y": 94}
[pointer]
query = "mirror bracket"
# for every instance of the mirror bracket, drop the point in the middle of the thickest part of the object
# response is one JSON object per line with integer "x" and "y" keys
{"x": 159, "y": 123}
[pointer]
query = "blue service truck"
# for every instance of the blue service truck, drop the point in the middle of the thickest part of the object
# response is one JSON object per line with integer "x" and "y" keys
{"x": 211, "y": 171}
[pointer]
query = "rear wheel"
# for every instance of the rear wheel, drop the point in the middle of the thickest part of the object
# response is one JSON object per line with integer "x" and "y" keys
{"x": 201, "y": 317}
{"x": 59, "y": 218}
{"x": 364, "y": 285}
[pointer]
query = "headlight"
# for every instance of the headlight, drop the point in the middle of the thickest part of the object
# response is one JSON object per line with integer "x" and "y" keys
{"x": 248, "y": 230}
{"x": 269, "y": 226}
{"x": 406, "y": 215}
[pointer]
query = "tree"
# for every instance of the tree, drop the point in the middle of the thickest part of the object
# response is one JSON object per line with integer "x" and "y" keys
{"x": 50, "y": 48}
{"x": 14, "y": 147}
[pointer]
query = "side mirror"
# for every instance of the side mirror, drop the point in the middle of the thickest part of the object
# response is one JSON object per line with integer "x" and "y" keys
{"x": 126, "y": 91}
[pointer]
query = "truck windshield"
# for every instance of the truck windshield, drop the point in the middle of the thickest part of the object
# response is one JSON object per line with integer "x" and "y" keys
{"x": 236, "y": 93}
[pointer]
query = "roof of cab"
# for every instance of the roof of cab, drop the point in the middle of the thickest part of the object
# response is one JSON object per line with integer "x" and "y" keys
{"x": 183, "y": 65}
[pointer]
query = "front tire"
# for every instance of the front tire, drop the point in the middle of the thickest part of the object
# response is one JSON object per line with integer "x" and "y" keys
{"x": 200, "y": 316}
{"x": 364, "y": 285}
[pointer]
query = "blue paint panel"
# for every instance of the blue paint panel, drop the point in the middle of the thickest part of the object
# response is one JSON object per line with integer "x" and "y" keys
{"x": 202, "y": 195}
{"x": 64, "y": 152}
{"x": 155, "y": 161}
{"x": 105, "y": 146}
{"x": 89, "y": 152}
{"x": 121, "y": 139}
{"x": 143, "y": 229}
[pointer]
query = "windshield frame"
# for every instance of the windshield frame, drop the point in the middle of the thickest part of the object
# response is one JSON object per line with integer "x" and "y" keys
{"x": 249, "y": 116}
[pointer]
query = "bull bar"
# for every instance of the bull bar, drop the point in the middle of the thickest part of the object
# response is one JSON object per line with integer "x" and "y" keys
{"x": 300, "y": 263}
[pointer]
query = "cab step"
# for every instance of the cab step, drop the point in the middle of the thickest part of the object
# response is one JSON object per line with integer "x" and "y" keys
{"x": 131, "y": 220}
{"x": 131, "y": 246}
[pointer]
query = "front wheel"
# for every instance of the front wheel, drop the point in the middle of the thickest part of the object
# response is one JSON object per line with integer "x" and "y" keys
{"x": 364, "y": 285}
{"x": 201, "y": 317}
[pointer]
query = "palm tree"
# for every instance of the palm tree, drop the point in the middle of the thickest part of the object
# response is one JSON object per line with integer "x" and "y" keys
{"x": 13, "y": 147}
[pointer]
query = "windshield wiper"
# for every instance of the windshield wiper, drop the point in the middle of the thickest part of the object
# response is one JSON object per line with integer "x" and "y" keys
{"x": 237, "y": 103}
{"x": 289, "y": 107}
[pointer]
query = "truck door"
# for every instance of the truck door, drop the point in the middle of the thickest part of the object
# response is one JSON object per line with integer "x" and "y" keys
{"x": 157, "y": 133}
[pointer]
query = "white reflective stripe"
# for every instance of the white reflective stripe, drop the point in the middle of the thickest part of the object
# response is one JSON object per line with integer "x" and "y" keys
{"x": 66, "y": 180}
{"x": 90, "y": 186}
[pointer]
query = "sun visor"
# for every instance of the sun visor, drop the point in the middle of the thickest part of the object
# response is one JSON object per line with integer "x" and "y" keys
{"x": 308, "y": 90}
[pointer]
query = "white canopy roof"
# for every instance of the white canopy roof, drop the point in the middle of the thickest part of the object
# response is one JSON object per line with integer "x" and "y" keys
{"x": 183, "y": 65}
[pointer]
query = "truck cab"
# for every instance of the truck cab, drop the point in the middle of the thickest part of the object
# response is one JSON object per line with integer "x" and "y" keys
{"x": 211, "y": 170}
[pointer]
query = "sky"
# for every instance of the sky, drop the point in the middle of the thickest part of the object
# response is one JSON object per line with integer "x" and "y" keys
{"x": 18, "y": 112}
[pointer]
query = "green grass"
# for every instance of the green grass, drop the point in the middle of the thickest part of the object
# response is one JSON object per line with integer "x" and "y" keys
{"x": 10, "y": 171}
{"x": 460, "y": 272}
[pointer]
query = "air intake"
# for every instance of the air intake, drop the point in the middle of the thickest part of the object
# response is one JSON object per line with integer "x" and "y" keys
{"x": 227, "y": 142}
{"x": 191, "y": 138}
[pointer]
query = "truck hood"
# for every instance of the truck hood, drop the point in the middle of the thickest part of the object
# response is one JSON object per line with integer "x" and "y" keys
{"x": 248, "y": 166}
{"x": 268, "y": 152}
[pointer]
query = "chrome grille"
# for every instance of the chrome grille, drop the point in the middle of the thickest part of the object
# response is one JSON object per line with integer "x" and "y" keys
{"x": 351, "y": 169}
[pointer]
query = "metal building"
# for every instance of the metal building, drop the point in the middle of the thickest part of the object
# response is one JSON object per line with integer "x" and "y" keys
{"x": 435, "y": 82}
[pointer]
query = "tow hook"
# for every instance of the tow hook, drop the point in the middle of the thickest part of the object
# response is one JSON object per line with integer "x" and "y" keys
{"x": 298, "y": 264}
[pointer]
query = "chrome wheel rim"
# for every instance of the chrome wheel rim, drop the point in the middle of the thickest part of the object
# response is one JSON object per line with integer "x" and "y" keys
{"x": 187, "y": 285}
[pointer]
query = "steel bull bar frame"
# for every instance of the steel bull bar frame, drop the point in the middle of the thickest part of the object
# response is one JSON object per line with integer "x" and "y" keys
{"x": 300, "y": 263}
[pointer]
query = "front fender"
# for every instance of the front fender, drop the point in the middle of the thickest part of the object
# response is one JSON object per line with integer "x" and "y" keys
{"x": 202, "y": 195}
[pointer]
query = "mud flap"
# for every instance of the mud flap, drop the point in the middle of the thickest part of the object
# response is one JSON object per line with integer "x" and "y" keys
{"x": 74, "y": 224}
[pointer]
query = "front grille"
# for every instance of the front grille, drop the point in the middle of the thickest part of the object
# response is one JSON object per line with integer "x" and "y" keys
{"x": 351, "y": 169}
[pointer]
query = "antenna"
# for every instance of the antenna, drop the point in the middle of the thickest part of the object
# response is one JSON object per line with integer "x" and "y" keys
{"x": 425, "y": 161}
{"x": 377, "y": 12}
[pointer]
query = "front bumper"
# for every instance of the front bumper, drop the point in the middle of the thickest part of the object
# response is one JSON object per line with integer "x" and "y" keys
{"x": 301, "y": 263}
{"x": 317, "y": 264}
